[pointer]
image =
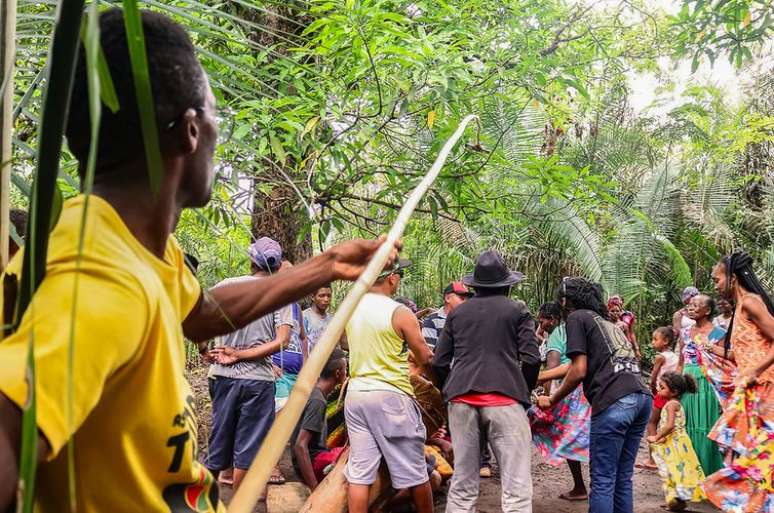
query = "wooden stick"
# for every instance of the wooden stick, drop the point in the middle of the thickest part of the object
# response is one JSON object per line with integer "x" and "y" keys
{"x": 7, "y": 58}
{"x": 331, "y": 494}
{"x": 255, "y": 480}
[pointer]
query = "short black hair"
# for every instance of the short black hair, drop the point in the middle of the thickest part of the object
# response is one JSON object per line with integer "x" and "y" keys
{"x": 333, "y": 363}
{"x": 550, "y": 310}
{"x": 177, "y": 82}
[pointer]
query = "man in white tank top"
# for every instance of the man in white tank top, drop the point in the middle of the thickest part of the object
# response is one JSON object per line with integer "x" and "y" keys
{"x": 383, "y": 419}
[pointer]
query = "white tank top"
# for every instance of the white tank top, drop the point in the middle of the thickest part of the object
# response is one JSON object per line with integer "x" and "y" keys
{"x": 670, "y": 362}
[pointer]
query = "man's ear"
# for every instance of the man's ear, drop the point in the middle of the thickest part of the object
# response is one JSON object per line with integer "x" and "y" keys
{"x": 188, "y": 132}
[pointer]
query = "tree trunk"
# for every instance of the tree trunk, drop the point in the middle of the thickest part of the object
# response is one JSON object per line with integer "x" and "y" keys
{"x": 279, "y": 214}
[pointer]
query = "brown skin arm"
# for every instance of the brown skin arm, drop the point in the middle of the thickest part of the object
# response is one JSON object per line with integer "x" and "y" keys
{"x": 677, "y": 320}
{"x": 671, "y": 408}
{"x": 228, "y": 307}
{"x": 304, "y": 341}
{"x": 719, "y": 350}
{"x": 304, "y": 460}
{"x": 759, "y": 314}
{"x": 10, "y": 448}
{"x": 553, "y": 359}
{"x": 680, "y": 357}
{"x": 555, "y": 373}
{"x": 633, "y": 341}
{"x": 656, "y": 370}
{"x": 228, "y": 355}
{"x": 406, "y": 325}
{"x": 575, "y": 374}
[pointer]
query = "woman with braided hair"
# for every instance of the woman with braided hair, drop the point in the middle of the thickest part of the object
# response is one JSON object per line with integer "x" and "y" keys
{"x": 746, "y": 428}
{"x": 602, "y": 358}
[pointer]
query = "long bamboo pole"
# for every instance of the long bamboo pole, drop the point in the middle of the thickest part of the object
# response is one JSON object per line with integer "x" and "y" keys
{"x": 8, "y": 15}
{"x": 255, "y": 480}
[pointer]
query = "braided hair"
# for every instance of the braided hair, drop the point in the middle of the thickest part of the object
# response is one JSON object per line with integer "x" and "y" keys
{"x": 739, "y": 264}
{"x": 580, "y": 293}
{"x": 550, "y": 310}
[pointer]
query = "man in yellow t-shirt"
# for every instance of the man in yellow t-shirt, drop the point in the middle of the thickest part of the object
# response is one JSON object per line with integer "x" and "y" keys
{"x": 106, "y": 324}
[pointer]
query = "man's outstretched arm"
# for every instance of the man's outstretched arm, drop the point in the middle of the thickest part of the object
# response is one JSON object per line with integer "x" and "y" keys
{"x": 231, "y": 306}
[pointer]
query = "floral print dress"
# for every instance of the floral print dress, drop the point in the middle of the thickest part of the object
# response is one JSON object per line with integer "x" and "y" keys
{"x": 746, "y": 427}
{"x": 678, "y": 466}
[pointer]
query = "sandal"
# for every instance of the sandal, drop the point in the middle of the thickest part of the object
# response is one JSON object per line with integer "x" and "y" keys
{"x": 276, "y": 477}
{"x": 568, "y": 497}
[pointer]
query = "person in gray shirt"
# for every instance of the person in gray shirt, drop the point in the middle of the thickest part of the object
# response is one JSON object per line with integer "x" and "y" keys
{"x": 242, "y": 385}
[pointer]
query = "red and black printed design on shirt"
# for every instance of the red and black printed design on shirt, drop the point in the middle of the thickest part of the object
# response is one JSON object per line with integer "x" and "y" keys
{"x": 201, "y": 495}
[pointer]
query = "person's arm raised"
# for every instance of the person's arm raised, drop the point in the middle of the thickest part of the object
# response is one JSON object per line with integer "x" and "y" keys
{"x": 230, "y": 306}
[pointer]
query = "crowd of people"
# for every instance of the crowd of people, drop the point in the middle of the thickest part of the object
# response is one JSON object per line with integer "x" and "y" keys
{"x": 569, "y": 385}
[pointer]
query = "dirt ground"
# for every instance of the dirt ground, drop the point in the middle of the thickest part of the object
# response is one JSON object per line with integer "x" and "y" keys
{"x": 548, "y": 481}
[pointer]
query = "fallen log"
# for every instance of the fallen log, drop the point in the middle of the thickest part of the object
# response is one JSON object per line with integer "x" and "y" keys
{"x": 330, "y": 496}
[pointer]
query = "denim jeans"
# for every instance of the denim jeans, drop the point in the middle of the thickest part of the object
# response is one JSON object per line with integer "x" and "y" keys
{"x": 615, "y": 438}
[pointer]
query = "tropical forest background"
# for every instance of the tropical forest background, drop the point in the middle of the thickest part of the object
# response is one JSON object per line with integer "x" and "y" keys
{"x": 629, "y": 141}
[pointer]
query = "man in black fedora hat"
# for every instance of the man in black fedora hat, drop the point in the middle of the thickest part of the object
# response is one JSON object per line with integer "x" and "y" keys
{"x": 491, "y": 339}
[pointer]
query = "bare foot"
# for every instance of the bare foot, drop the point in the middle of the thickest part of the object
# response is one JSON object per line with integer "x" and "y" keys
{"x": 575, "y": 495}
{"x": 276, "y": 477}
{"x": 226, "y": 477}
{"x": 648, "y": 465}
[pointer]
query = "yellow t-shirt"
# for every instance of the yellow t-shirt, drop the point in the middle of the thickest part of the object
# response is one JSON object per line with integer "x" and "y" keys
{"x": 132, "y": 420}
{"x": 378, "y": 357}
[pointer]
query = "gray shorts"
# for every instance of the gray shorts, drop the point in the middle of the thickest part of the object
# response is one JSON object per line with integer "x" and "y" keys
{"x": 385, "y": 424}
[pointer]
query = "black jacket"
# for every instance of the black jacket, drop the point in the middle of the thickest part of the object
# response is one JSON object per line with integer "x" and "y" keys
{"x": 492, "y": 342}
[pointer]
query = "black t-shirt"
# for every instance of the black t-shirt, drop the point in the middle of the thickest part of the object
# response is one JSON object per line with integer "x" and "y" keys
{"x": 612, "y": 369}
{"x": 313, "y": 420}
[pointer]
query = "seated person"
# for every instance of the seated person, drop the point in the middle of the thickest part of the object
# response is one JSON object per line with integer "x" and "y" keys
{"x": 310, "y": 452}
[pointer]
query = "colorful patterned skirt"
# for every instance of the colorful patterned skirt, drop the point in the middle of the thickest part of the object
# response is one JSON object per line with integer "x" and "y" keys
{"x": 679, "y": 468}
{"x": 747, "y": 428}
{"x": 702, "y": 410}
{"x": 562, "y": 433}
{"x": 720, "y": 372}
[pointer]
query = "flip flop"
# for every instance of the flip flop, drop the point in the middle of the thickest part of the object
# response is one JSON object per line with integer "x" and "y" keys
{"x": 574, "y": 498}
{"x": 277, "y": 479}
{"x": 645, "y": 466}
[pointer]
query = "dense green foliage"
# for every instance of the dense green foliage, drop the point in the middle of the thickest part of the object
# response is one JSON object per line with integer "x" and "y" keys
{"x": 332, "y": 110}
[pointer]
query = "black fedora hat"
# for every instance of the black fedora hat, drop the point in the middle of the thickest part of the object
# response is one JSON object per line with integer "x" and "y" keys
{"x": 491, "y": 272}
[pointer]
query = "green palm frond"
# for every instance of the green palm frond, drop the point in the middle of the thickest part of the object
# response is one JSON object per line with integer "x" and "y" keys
{"x": 641, "y": 252}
